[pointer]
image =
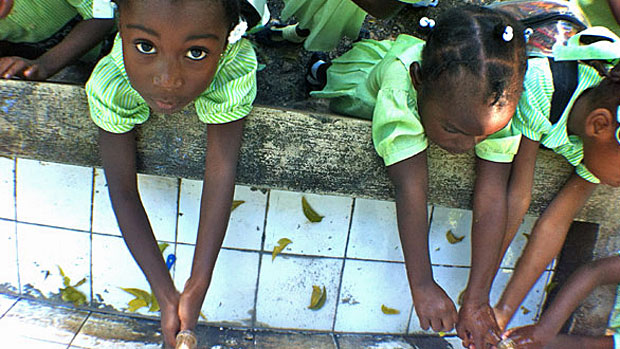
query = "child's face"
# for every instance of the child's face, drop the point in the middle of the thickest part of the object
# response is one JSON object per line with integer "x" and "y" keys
{"x": 5, "y": 8}
{"x": 171, "y": 50}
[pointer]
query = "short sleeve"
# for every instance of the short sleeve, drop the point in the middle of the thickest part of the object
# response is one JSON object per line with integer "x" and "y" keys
{"x": 114, "y": 105}
{"x": 83, "y": 7}
{"x": 532, "y": 116}
{"x": 583, "y": 172}
{"x": 233, "y": 89}
{"x": 500, "y": 146}
{"x": 396, "y": 131}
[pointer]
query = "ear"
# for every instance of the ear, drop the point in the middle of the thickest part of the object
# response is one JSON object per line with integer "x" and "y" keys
{"x": 5, "y": 8}
{"x": 600, "y": 123}
{"x": 415, "y": 71}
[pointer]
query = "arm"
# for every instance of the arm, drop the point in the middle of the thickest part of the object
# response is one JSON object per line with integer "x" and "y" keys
{"x": 223, "y": 143}
{"x": 476, "y": 323}
{"x": 119, "y": 161}
{"x": 577, "y": 288}
{"x": 380, "y": 8}
{"x": 615, "y": 9}
{"x": 433, "y": 306}
{"x": 83, "y": 37}
{"x": 546, "y": 241}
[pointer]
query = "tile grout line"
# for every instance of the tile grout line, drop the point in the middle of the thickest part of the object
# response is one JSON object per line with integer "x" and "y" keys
{"x": 19, "y": 281}
{"x": 176, "y": 227}
{"x": 92, "y": 214}
{"x": 79, "y": 329}
{"x": 260, "y": 257}
{"x": 344, "y": 261}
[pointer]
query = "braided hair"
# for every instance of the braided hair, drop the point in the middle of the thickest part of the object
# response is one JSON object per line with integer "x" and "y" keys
{"x": 607, "y": 93}
{"x": 473, "y": 39}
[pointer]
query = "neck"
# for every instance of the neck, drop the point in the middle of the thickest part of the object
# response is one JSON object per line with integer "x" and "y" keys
{"x": 577, "y": 116}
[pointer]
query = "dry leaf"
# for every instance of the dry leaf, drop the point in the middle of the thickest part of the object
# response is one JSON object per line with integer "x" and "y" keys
{"x": 389, "y": 311}
{"x": 309, "y": 212}
{"x": 453, "y": 239}
{"x": 136, "y": 304}
{"x": 203, "y": 316}
{"x": 525, "y": 310}
{"x": 527, "y": 236}
{"x": 550, "y": 286}
{"x": 317, "y": 300}
{"x": 459, "y": 299}
{"x": 163, "y": 246}
{"x": 282, "y": 243}
{"x": 236, "y": 203}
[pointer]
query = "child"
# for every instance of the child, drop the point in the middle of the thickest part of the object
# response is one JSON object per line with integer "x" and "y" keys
{"x": 545, "y": 333}
{"x": 170, "y": 53}
{"x": 35, "y": 22}
{"x": 459, "y": 89}
{"x": 322, "y": 23}
{"x": 586, "y": 135}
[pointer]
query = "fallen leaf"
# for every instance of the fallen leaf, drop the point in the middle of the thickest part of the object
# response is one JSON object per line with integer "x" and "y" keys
{"x": 154, "y": 304}
{"x": 235, "y": 204}
{"x": 138, "y": 293}
{"x": 317, "y": 300}
{"x": 453, "y": 239}
{"x": 525, "y": 310}
{"x": 136, "y": 304}
{"x": 388, "y": 310}
{"x": 65, "y": 279}
{"x": 550, "y": 286}
{"x": 441, "y": 334}
{"x": 459, "y": 299}
{"x": 70, "y": 294}
{"x": 282, "y": 243}
{"x": 163, "y": 246}
{"x": 309, "y": 212}
{"x": 527, "y": 236}
{"x": 203, "y": 316}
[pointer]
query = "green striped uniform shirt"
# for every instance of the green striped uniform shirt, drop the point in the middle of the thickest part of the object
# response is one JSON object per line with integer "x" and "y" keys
{"x": 116, "y": 107}
{"x": 532, "y": 116}
{"x": 32, "y": 21}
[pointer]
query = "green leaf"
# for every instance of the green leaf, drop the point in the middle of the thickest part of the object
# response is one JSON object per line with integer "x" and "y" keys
{"x": 163, "y": 246}
{"x": 65, "y": 279}
{"x": 80, "y": 283}
{"x": 282, "y": 243}
{"x": 453, "y": 239}
{"x": 136, "y": 304}
{"x": 70, "y": 294}
{"x": 154, "y": 304}
{"x": 389, "y": 311}
{"x": 139, "y": 294}
{"x": 318, "y": 298}
{"x": 236, "y": 203}
{"x": 309, "y": 212}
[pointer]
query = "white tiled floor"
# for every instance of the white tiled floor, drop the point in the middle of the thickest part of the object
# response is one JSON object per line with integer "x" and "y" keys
{"x": 6, "y": 302}
{"x": 7, "y": 188}
{"x": 8, "y": 257}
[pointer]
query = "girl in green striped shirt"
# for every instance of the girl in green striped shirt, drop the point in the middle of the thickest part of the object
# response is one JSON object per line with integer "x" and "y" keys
{"x": 170, "y": 53}
{"x": 587, "y": 134}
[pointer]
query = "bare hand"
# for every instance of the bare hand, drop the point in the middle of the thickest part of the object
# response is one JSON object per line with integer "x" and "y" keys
{"x": 529, "y": 337}
{"x": 190, "y": 305}
{"x": 502, "y": 317}
{"x": 434, "y": 308}
{"x": 23, "y": 68}
{"x": 170, "y": 323}
{"x": 477, "y": 326}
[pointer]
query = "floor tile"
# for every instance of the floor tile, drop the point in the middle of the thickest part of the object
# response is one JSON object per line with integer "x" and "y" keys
{"x": 281, "y": 340}
{"x": 286, "y": 219}
{"x": 454, "y": 341}
{"x": 366, "y": 286}
{"x": 25, "y": 342}
{"x": 245, "y": 228}
{"x": 54, "y": 194}
{"x": 9, "y": 281}
{"x": 159, "y": 196}
{"x": 230, "y": 297}
{"x": 34, "y": 320}
{"x": 459, "y": 223}
{"x": 223, "y": 338}
{"x": 6, "y": 302}
{"x": 113, "y": 268}
{"x": 43, "y": 250}
{"x": 112, "y": 331}
{"x": 518, "y": 243}
{"x": 285, "y": 288}
{"x": 453, "y": 280}
{"x": 7, "y": 188}
{"x": 355, "y": 341}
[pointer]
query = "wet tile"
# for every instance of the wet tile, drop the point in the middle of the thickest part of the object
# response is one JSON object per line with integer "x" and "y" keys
{"x": 54, "y": 194}
{"x": 34, "y": 320}
{"x": 159, "y": 196}
{"x": 459, "y": 222}
{"x": 112, "y": 331}
{"x": 518, "y": 243}
{"x": 366, "y": 286}
{"x": 285, "y": 340}
{"x": 42, "y": 250}
{"x": 9, "y": 281}
{"x": 6, "y": 302}
{"x": 245, "y": 228}
{"x": 286, "y": 219}
{"x": 7, "y": 188}
{"x": 355, "y": 341}
{"x": 454, "y": 341}
{"x": 113, "y": 268}
{"x": 285, "y": 287}
{"x": 220, "y": 338}
{"x": 453, "y": 280}
{"x": 230, "y": 297}
{"x": 25, "y": 342}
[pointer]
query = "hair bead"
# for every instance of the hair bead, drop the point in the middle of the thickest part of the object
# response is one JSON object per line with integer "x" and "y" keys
{"x": 527, "y": 33}
{"x": 426, "y": 22}
{"x": 508, "y": 33}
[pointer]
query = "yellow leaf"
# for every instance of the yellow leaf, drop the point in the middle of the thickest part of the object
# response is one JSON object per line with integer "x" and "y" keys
{"x": 527, "y": 236}
{"x": 309, "y": 212}
{"x": 441, "y": 334}
{"x": 525, "y": 310}
{"x": 163, "y": 246}
{"x": 459, "y": 300}
{"x": 282, "y": 243}
{"x": 550, "y": 286}
{"x": 318, "y": 298}
{"x": 80, "y": 283}
{"x": 136, "y": 304}
{"x": 389, "y": 311}
{"x": 453, "y": 239}
{"x": 65, "y": 279}
{"x": 235, "y": 204}
{"x": 139, "y": 294}
{"x": 72, "y": 295}
{"x": 154, "y": 304}
{"x": 203, "y": 316}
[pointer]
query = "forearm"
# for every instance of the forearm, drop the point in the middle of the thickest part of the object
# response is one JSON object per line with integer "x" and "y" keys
{"x": 82, "y": 38}
{"x": 380, "y": 8}
{"x": 614, "y": 5}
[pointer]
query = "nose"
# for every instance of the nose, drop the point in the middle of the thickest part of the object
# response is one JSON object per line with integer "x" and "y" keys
{"x": 168, "y": 76}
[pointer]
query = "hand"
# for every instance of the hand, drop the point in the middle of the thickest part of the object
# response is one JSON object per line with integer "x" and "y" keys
{"x": 477, "y": 326}
{"x": 503, "y": 316}
{"x": 529, "y": 337}
{"x": 24, "y": 68}
{"x": 170, "y": 323}
{"x": 190, "y": 305}
{"x": 434, "y": 308}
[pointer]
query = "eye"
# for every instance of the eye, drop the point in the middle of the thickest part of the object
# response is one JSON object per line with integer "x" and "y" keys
{"x": 145, "y": 48}
{"x": 449, "y": 129}
{"x": 196, "y": 54}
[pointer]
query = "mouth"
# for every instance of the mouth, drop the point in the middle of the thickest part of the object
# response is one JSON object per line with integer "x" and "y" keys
{"x": 166, "y": 106}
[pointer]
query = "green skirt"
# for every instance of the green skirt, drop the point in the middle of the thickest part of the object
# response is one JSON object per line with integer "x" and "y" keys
{"x": 327, "y": 20}
{"x": 349, "y": 87}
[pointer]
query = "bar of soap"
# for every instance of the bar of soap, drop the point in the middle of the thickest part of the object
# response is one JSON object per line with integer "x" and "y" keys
{"x": 186, "y": 339}
{"x": 507, "y": 344}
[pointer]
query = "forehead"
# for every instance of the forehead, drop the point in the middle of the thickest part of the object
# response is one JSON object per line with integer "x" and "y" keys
{"x": 195, "y": 14}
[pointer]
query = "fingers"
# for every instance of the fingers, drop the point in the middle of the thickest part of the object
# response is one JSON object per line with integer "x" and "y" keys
{"x": 31, "y": 71}
{"x": 17, "y": 66}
